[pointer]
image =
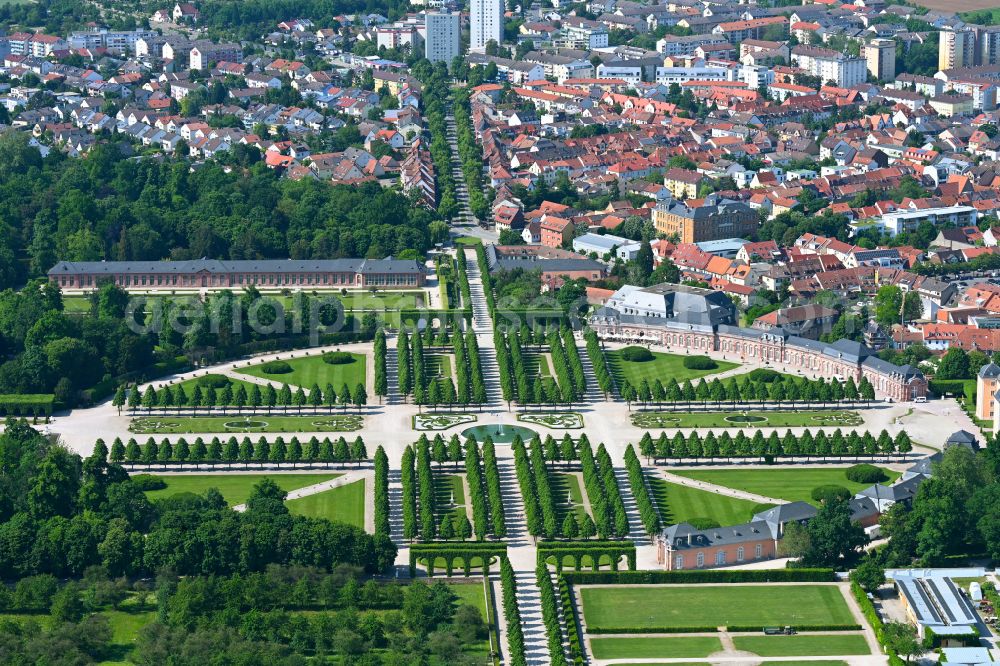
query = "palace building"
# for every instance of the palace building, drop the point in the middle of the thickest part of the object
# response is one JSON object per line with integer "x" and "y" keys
{"x": 692, "y": 320}
{"x": 215, "y": 274}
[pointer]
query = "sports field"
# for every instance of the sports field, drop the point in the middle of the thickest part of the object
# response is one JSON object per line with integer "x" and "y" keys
{"x": 791, "y": 485}
{"x": 235, "y": 488}
{"x": 345, "y": 504}
{"x": 310, "y": 370}
{"x": 678, "y": 504}
{"x": 650, "y": 647}
{"x": 819, "y": 645}
{"x": 628, "y": 608}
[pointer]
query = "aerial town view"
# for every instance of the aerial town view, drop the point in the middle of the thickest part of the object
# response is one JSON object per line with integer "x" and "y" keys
{"x": 433, "y": 333}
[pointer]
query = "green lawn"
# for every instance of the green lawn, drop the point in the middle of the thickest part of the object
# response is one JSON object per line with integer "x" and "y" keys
{"x": 309, "y": 370}
{"x": 536, "y": 365}
{"x": 161, "y": 425}
{"x": 189, "y": 385}
{"x": 467, "y": 241}
{"x": 758, "y": 419}
{"x": 449, "y": 496}
{"x": 235, "y": 488}
{"x": 647, "y": 647}
{"x": 568, "y": 496}
{"x": 474, "y": 595}
{"x": 641, "y": 607}
{"x": 439, "y": 365}
{"x": 787, "y": 484}
{"x": 662, "y": 367}
{"x": 345, "y": 504}
{"x": 678, "y": 504}
{"x": 803, "y": 645}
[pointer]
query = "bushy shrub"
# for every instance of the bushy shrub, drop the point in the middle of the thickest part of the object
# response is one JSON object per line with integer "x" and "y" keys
{"x": 765, "y": 375}
{"x": 865, "y": 473}
{"x": 338, "y": 358}
{"x": 761, "y": 508}
{"x": 637, "y": 354}
{"x": 213, "y": 381}
{"x": 276, "y": 368}
{"x": 699, "y": 363}
{"x": 702, "y": 523}
{"x": 830, "y": 493}
{"x": 148, "y": 482}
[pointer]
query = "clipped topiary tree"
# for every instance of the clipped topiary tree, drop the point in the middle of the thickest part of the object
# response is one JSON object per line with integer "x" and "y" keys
{"x": 637, "y": 354}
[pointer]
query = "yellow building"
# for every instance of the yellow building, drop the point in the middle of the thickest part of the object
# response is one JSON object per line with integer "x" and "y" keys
{"x": 956, "y": 48}
{"x": 987, "y": 384}
{"x": 682, "y": 183}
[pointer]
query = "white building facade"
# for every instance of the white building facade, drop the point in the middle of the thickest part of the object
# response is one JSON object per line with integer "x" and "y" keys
{"x": 486, "y": 23}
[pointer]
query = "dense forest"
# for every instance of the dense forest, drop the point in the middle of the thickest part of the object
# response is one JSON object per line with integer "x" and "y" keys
{"x": 60, "y": 515}
{"x": 86, "y": 555}
{"x": 107, "y": 206}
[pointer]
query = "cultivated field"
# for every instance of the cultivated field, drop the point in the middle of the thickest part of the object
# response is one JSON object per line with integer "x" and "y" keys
{"x": 958, "y": 6}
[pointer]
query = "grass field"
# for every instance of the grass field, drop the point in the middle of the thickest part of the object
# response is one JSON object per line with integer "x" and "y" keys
{"x": 568, "y": 495}
{"x": 310, "y": 370}
{"x": 239, "y": 424}
{"x": 345, "y": 504}
{"x": 536, "y": 365}
{"x": 662, "y": 367}
{"x": 648, "y": 647}
{"x": 787, "y": 484}
{"x": 803, "y": 645}
{"x": 189, "y": 385}
{"x": 761, "y": 419}
{"x": 439, "y": 365}
{"x": 235, "y": 488}
{"x": 678, "y": 504}
{"x": 449, "y": 496}
{"x": 640, "y": 607}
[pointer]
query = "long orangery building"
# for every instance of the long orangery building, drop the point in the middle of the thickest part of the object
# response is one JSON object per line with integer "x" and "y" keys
{"x": 702, "y": 321}
{"x": 214, "y": 274}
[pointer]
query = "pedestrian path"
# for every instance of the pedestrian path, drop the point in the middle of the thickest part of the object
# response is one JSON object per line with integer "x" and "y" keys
{"x": 717, "y": 489}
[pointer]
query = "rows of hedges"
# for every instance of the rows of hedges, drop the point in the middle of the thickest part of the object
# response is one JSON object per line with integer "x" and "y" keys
{"x": 601, "y": 372}
{"x": 212, "y": 391}
{"x": 515, "y": 631}
{"x": 692, "y": 577}
{"x": 381, "y": 492}
{"x": 27, "y": 404}
{"x": 643, "y": 502}
{"x": 550, "y": 616}
{"x": 724, "y": 445}
{"x": 232, "y": 451}
{"x": 759, "y": 386}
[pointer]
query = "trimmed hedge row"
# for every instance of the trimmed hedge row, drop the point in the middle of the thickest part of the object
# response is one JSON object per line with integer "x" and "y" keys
{"x": 466, "y": 551}
{"x": 381, "y": 492}
{"x": 591, "y": 629}
{"x": 594, "y": 549}
{"x": 706, "y": 576}
{"x": 572, "y": 625}
{"x": 550, "y": 616}
{"x": 515, "y": 631}
{"x": 27, "y": 404}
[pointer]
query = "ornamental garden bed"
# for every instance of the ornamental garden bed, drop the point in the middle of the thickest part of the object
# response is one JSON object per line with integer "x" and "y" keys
{"x": 556, "y": 421}
{"x": 762, "y": 418}
{"x": 441, "y": 421}
{"x": 154, "y": 425}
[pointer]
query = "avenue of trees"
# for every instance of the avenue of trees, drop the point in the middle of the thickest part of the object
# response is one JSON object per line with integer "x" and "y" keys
{"x": 712, "y": 446}
{"x": 415, "y": 377}
{"x": 534, "y": 467}
{"x": 231, "y": 451}
{"x": 756, "y": 386}
{"x": 637, "y": 482}
{"x": 471, "y": 155}
{"x": 565, "y": 385}
{"x": 218, "y": 394}
{"x": 426, "y": 459}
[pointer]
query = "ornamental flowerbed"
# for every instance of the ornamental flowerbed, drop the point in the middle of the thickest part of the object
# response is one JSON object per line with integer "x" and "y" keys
{"x": 558, "y": 421}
